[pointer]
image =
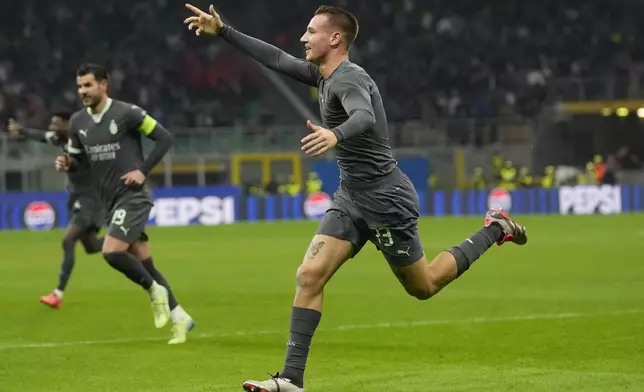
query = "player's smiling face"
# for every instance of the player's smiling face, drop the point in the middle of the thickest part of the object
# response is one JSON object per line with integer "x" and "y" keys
{"x": 319, "y": 39}
{"x": 90, "y": 90}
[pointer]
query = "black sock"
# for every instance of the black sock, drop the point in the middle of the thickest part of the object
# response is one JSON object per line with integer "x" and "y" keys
{"x": 304, "y": 322}
{"x": 472, "y": 248}
{"x": 68, "y": 263}
{"x": 149, "y": 266}
{"x": 131, "y": 267}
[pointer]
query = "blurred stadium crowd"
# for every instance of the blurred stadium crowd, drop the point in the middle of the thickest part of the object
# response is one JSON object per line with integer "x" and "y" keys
{"x": 441, "y": 58}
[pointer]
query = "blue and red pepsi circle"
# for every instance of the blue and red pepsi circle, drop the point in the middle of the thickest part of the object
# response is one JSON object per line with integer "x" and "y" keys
{"x": 499, "y": 198}
{"x": 39, "y": 216}
{"x": 316, "y": 204}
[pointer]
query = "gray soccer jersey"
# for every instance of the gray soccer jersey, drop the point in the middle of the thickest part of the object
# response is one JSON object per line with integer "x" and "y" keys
{"x": 111, "y": 144}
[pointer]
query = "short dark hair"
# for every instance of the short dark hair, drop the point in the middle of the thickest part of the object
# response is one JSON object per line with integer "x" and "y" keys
{"x": 343, "y": 20}
{"x": 99, "y": 72}
{"x": 64, "y": 115}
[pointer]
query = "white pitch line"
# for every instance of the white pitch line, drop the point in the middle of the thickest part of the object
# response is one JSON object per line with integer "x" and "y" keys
{"x": 404, "y": 324}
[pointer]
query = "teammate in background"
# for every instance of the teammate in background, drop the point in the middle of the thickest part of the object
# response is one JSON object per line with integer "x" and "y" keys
{"x": 106, "y": 137}
{"x": 84, "y": 208}
{"x": 375, "y": 201}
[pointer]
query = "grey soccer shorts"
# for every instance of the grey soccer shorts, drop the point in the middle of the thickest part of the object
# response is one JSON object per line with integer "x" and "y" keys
{"x": 85, "y": 211}
{"x": 387, "y": 216}
{"x": 128, "y": 218}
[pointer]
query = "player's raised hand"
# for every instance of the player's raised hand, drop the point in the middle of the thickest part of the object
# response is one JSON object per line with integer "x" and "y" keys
{"x": 204, "y": 22}
{"x": 135, "y": 177}
{"x": 62, "y": 163}
{"x": 319, "y": 141}
{"x": 14, "y": 127}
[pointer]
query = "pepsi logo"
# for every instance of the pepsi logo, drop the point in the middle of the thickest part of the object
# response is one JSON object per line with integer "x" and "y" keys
{"x": 316, "y": 204}
{"x": 39, "y": 215}
{"x": 499, "y": 198}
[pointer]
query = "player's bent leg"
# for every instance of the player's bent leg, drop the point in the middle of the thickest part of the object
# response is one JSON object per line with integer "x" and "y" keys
{"x": 71, "y": 236}
{"x": 423, "y": 280}
{"x": 115, "y": 252}
{"x": 183, "y": 322}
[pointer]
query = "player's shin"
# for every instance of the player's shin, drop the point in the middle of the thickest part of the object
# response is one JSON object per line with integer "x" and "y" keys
{"x": 305, "y": 318}
{"x": 304, "y": 322}
{"x": 468, "y": 251}
{"x": 67, "y": 265}
{"x": 177, "y": 311}
{"x": 131, "y": 267}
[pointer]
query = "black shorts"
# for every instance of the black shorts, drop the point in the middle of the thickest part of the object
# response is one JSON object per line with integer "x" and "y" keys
{"x": 85, "y": 211}
{"x": 387, "y": 216}
{"x": 128, "y": 218}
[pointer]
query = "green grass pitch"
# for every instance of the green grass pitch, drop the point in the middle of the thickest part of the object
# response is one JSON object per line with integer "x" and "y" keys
{"x": 564, "y": 313}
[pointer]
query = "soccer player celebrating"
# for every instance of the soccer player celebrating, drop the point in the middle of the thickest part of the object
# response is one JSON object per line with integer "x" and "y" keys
{"x": 84, "y": 207}
{"x": 375, "y": 201}
{"x": 106, "y": 138}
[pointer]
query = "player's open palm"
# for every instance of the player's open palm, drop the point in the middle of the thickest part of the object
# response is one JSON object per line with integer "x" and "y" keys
{"x": 319, "y": 141}
{"x": 204, "y": 22}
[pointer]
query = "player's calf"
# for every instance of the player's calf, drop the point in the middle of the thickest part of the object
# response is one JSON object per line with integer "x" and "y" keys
{"x": 423, "y": 280}
{"x": 115, "y": 252}
{"x": 69, "y": 260}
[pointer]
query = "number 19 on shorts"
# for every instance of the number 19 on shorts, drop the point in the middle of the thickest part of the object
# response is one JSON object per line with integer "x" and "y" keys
{"x": 383, "y": 235}
{"x": 119, "y": 217}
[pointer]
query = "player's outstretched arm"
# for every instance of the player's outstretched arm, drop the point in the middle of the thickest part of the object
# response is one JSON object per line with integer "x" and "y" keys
{"x": 37, "y": 135}
{"x": 356, "y": 101}
{"x": 267, "y": 54}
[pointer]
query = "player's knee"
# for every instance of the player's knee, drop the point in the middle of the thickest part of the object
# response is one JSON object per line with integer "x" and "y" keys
{"x": 425, "y": 290}
{"x": 309, "y": 277}
{"x": 141, "y": 250}
{"x": 92, "y": 248}
{"x": 421, "y": 293}
{"x": 112, "y": 245}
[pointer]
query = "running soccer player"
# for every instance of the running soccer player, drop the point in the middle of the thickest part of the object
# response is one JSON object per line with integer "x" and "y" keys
{"x": 106, "y": 137}
{"x": 83, "y": 206}
{"x": 375, "y": 201}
